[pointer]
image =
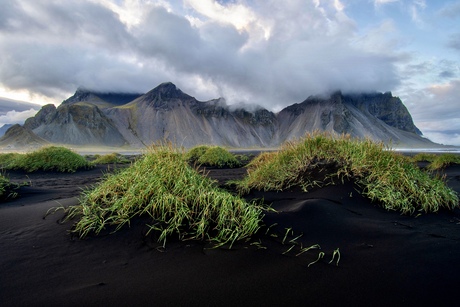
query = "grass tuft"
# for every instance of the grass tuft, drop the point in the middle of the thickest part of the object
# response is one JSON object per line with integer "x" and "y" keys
{"x": 7, "y": 189}
{"x": 383, "y": 176}
{"x": 51, "y": 158}
{"x": 112, "y": 158}
{"x": 179, "y": 200}
{"x": 437, "y": 161}
{"x": 194, "y": 154}
{"x": 214, "y": 156}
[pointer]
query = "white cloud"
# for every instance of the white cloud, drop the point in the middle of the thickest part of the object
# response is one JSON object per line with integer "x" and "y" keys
{"x": 14, "y": 117}
{"x": 435, "y": 110}
{"x": 267, "y": 52}
{"x": 381, "y": 2}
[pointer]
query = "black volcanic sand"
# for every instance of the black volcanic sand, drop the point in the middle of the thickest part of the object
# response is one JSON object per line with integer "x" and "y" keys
{"x": 386, "y": 259}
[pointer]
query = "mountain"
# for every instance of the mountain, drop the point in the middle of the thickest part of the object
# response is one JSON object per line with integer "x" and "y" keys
{"x": 79, "y": 123}
{"x": 4, "y": 128}
{"x": 101, "y": 100}
{"x": 18, "y": 137}
{"x": 167, "y": 113}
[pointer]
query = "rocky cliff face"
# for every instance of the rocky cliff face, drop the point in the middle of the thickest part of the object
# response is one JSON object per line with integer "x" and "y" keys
{"x": 166, "y": 113}
{"x": 77, "y": 123}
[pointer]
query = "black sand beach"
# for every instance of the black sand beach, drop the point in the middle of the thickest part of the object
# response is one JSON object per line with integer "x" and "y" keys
{"x": 386, "y": 259}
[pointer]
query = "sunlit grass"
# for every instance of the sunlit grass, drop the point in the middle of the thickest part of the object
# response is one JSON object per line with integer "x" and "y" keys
{"x": 52, "y": 158}
{"x": 9, "y": 160}
{"x": 163, "y": 186}
{"x": 386, "y": 177}
{"x": 112, "y": 158}
{"x": 214, "y": 156}
{"x": 193, "y": 154}
{"x": 437, "y": 161}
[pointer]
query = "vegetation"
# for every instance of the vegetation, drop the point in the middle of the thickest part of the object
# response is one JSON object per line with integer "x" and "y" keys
{"x": 384, "y": 176}
{"x": 9, "y": 160}
{"x": 7, "y": 189}
{"x": 194, "y": 154}
{"x": 218, "y": 157}
{"x": 4, "y": 184}
{"x": 179, "y": 200}
{"x": 214, "y": 156}
{"x": 111, "y": 158}
{"x": 50, "y": 158}
{"x": 437, "y": 162}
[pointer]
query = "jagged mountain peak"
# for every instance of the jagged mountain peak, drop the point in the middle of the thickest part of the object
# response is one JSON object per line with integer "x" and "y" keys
{"x": 101, "y": 99}
{"x": 165, "y": 91}
{"x": 166, "y": 112}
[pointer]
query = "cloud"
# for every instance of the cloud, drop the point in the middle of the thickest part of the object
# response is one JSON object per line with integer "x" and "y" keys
{"x": 435, "y": 110}
{"x": 270, "y": 52}
{"x": 454, "y": 42}
{"x": 15, "y": 117}
{"x": 451, "y": 10}
{"x": 381, "y": 2}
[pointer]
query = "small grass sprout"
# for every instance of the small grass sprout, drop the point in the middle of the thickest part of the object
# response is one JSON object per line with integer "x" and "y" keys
{"x": 7, "y": 188}
{"x": 335, "y": 253}
{"x": 320, "y": 256}
{"x": 306, "y": 249}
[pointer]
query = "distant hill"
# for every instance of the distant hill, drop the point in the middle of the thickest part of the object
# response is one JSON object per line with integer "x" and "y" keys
{"x": 4, "y": 128}
{"x": 19, "y": 137}
{"x": 167, "y": 113}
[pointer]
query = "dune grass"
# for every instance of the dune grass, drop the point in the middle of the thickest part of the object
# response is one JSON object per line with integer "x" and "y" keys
{"x": 9, "y": 160}
{"x": 214, "y": 156}
{"x": 4, "y": 185}
{"x": 437, "y": 161}
{"x": 194, "y": 153}
{"x": 51, "y": 158}
{"x": 112, "y": 158}
{"x": 386, "y": 177}
{"x": 163, "y": 186}
{"x": 7, "y": 188}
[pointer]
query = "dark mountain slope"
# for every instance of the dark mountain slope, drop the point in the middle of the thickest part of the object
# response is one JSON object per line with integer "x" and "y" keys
{"x": 18, "y": 136}
{"x": 167, "y": 113}
{"x": 78, "y": 123}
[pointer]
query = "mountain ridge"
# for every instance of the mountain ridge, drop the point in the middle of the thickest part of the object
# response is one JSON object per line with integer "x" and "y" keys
{"x": 167, "y": 113}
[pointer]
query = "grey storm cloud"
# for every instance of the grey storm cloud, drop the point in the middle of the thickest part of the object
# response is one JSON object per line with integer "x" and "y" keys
{"x": 53, "y": 47}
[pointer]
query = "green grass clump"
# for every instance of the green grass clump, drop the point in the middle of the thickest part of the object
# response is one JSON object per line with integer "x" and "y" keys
{"x": 51, "y": 158}
{"x": 111, "y": 158}
{"x": 7, "y": 189}
{"x": 218, "y": 157}
{"x": 437, "y": 161}
{"x": 196, "y": 152}
{"x": 4, "y": 185}
{"x": 9, "y": 160}
{"x": 384, "y": 176}
{"x": 214, "y": 156}
{"x": 423, "y": 157}
{"x": 443, "y": 160}
{"x": 179, "y": 200}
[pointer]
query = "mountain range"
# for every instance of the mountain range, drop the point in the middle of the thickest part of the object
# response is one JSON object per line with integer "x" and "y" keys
{"x": 167, "y": 113}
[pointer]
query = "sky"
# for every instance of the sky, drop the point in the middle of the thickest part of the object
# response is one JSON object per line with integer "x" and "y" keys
{"x": 263, "y": 52}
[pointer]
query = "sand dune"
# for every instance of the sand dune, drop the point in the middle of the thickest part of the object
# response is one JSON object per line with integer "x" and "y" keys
{"x": 386, "y": 259}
